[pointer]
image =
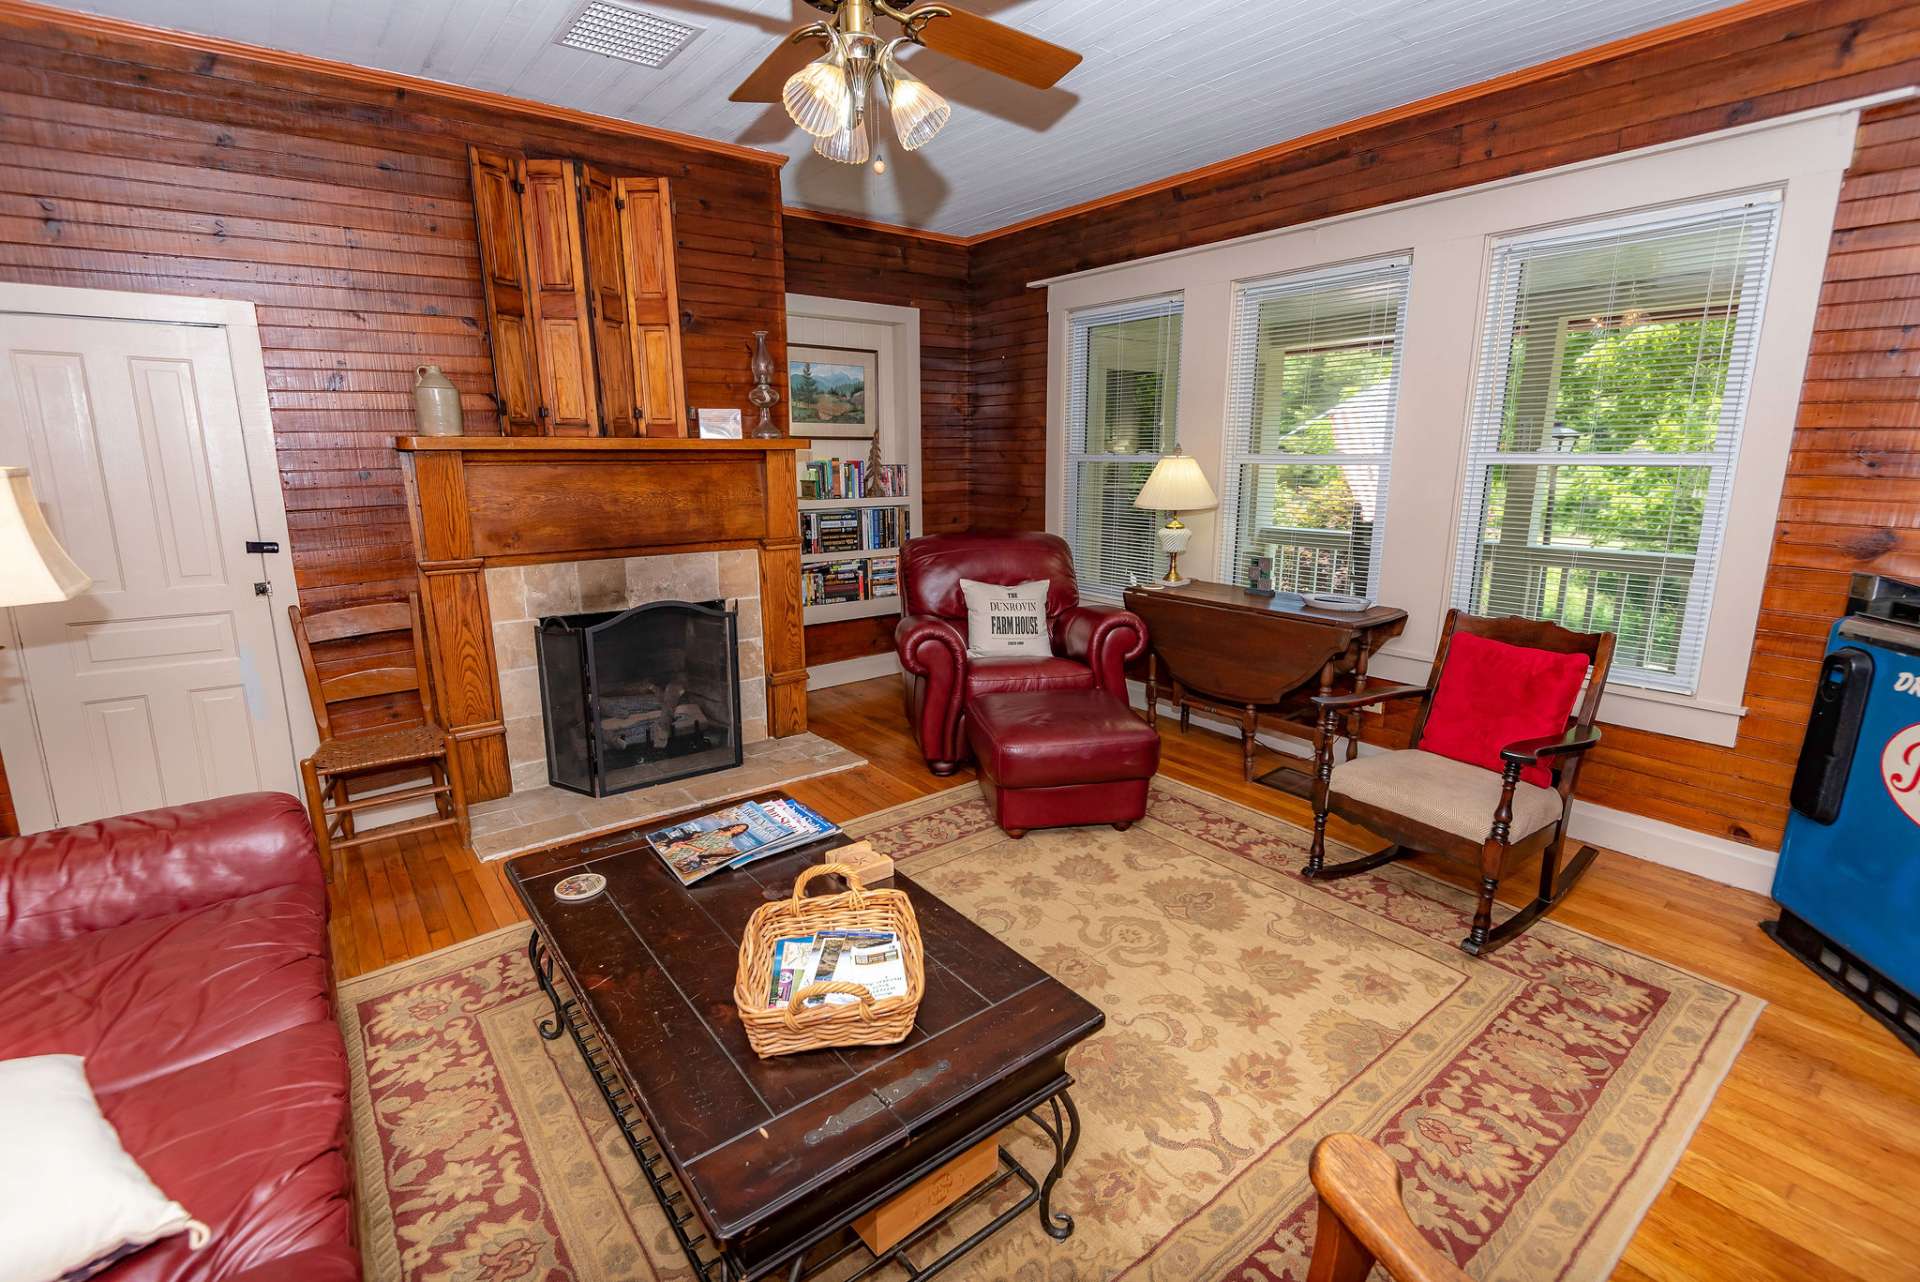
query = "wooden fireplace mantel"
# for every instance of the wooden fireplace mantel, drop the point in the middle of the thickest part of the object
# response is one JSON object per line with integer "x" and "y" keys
{"x": 476, "y": 501}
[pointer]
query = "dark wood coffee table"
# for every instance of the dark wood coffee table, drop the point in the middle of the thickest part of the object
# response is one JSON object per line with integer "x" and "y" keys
{"x": 760, "y": 1165}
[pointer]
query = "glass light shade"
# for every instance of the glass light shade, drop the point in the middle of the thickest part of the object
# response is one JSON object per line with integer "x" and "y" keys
{"x": 34, "y": 568}
{"x": 918, "y": 112}
{"x": 849, "y": 146}
{"x": 819, "y": 96}
{"x": 1176, "y": 485}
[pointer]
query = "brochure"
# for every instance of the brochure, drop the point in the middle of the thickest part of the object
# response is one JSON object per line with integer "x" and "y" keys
{"x": 871, "y": 959}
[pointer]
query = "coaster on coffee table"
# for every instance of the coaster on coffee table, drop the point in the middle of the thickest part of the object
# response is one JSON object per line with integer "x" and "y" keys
{"x": 582, "y": 885}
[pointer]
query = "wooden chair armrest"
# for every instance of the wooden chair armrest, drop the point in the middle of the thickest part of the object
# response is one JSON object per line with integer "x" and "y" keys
{"x": 1363, "y": 1220}
{"x": 1528, "y": 751}
{"x": 1360, "y": 699}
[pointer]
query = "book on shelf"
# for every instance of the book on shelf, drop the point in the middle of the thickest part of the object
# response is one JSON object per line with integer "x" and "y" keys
{"x": 851, "y": 478}
{"x": 883, "y": 578}
{"x": 830, "y": 531}
{"x": 833, "y": 583}
{"x": 736, "y": 835}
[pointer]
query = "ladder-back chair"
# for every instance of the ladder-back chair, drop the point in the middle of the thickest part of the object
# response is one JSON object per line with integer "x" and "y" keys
{"x": 349, "y": 760}
{"x": 1489, "y": 773}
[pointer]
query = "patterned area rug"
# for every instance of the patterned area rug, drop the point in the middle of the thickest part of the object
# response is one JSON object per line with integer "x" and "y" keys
{"x": 1536, "y": 1101}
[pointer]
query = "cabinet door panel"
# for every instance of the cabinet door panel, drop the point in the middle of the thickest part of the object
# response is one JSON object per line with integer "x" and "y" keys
{"x": 550, "y": 205}
{"x": 653, "y": 297}
{"x": 498, "y": 178}
{"x": 607, "y": 297}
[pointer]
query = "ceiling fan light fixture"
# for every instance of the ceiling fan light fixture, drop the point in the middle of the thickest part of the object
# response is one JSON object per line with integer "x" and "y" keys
{"x": 849, "y": 146}
{"x": 819, "y": 96}
{"x": 918, "y": 112}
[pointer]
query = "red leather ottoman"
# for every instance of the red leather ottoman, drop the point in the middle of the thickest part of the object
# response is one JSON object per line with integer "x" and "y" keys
{"x": 1058, "y": 758}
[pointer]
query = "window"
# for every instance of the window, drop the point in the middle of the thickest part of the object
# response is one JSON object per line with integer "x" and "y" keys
{"x": 1606, "y": 420}
{"x": 1310, "y": 408}
{"x": 1123, "y": 387}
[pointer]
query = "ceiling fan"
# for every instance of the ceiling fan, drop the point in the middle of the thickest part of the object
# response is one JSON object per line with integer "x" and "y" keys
{"x": 827, "y": 95}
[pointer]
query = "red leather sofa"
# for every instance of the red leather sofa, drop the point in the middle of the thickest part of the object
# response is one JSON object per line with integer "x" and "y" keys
{"x": 183, "y": 953}
{"x": 1092, "y": 645}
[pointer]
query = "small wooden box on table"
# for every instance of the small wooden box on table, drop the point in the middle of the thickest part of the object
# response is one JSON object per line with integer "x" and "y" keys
{"x": 762, "y": 1166}
{"x": 1248, "y": 656}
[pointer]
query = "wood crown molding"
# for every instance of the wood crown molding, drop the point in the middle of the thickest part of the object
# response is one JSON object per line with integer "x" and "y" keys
{"x": 1673, "y": 31}
{"x": 24, "y": 13}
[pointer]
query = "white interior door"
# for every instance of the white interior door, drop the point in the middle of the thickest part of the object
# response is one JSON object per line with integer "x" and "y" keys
{"x": 160, "y": 684}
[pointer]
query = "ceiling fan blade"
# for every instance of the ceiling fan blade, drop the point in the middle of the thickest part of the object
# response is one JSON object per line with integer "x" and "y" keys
{"x": 996, "y": 47}
{"x": 770, "y": 77}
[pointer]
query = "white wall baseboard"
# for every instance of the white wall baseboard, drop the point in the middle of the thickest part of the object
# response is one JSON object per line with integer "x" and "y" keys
{"x": 1654, "y": 840}
{"x": 846, "y": 671}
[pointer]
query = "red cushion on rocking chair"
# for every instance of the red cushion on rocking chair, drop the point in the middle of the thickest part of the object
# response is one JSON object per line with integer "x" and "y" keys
{"x": 1492, "y": 694}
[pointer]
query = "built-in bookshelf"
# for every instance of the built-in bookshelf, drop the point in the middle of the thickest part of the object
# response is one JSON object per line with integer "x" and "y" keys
{"x": 859, "y": 498}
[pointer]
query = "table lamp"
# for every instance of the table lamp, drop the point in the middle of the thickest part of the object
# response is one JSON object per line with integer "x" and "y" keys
{"x": 34, "y": 568}
{"x": 1177, "y": 485}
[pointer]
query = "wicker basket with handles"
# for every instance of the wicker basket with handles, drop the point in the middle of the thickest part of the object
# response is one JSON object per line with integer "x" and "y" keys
{"x": 783, "y": 1030}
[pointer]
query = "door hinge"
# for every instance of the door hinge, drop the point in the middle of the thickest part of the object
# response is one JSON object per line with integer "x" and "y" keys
{"x": 519, "y": 188}
{"x": 619, "y": 203}
{"x": 263, "y": 588}
{"x": 262, "y": 547}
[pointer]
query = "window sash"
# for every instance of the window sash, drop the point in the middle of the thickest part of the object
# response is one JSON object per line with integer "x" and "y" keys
{"x": 1115, "y": 546}
{"x": 1313, "y": 557}
{"x": 1658, "y": 600}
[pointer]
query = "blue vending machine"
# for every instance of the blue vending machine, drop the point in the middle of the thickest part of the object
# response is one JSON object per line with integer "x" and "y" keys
{"x": 1849, "y": 876}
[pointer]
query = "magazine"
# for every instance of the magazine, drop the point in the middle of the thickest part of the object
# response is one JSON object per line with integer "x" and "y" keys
{"x": 736, "y": 835}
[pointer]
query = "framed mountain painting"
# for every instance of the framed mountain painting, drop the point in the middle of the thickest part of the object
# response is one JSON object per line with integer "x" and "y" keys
{"x": 831, "y": 388}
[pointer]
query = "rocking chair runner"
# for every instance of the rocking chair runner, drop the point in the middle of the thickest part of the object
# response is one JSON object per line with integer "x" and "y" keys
{"x": 1454, "y": 804}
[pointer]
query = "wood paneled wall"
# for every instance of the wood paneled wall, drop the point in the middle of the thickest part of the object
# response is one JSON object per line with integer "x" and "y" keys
{"x": 839, "y": 260}
{"x": 1853, "y": 497}
{"x": 342, "y": 211}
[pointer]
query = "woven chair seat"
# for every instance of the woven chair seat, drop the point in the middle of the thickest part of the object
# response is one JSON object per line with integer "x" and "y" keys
{"x": 381, "y": 748}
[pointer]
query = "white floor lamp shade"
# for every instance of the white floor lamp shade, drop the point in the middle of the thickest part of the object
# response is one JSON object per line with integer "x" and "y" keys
{"x": 1176, "y": 485}
{"x": 34, "y": 568}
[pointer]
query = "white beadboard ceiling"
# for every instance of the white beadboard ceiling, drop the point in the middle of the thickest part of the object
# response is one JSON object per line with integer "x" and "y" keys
{"x": 1167, "y": 85}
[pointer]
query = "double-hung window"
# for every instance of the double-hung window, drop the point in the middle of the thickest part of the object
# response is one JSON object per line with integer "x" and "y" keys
{"x": 1122, "y": 393}
{"x": 1605, "y": 425}
{"x": 1311, "y": 401}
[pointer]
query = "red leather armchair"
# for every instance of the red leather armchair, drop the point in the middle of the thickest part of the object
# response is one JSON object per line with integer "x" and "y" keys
{"x": 183, "y": 953}
{"x": 1092, "y": 645}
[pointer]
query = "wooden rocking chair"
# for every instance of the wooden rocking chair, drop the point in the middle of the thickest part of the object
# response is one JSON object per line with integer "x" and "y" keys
{"x": 1424, "y": 801}
{"x": 346, "y": 762}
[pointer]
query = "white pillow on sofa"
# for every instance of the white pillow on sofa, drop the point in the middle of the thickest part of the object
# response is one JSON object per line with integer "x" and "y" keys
{"x": 70, "y": 1196}
{"x": 1007, "y": 622}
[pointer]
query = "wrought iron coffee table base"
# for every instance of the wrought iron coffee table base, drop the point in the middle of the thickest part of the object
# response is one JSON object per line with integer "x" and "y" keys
{"x": 712, "y": 1264}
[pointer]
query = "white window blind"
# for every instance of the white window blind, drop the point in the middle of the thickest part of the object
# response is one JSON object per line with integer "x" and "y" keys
{"x": 1606, "y": 418}
{"x": 1311, "y": 401}
{"x": 1122, "y": 393}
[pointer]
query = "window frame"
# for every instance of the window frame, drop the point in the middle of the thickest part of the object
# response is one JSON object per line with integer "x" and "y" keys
{"x": 1487, "y": 407}
{"x": 1081, "y": 322}
{"x": 1235, "y": 461}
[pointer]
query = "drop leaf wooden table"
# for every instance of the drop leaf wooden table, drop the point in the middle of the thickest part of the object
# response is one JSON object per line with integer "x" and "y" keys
{"x": 1223, "y": 648}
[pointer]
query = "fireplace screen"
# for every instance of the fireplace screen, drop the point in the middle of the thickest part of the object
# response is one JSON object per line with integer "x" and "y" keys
{"x": 641, "y": 696}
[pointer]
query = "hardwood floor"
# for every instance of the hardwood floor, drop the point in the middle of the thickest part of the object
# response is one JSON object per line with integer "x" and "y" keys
{"x": 1807, "y": 1165}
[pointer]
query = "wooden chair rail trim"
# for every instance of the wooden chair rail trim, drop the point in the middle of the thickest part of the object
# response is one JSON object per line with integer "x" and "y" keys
{"x": 23, "y": 13}
{"x": 1680, "y": 30}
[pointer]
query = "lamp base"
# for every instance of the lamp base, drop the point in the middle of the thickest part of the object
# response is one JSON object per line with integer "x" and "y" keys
{"x": 1173, "y": 578}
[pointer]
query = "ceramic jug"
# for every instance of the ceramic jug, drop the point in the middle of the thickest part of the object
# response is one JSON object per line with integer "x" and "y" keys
{"x": 436, "y": 402}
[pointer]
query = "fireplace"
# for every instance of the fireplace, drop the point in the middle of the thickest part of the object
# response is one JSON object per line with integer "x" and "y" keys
{"x": 640, "y": 696}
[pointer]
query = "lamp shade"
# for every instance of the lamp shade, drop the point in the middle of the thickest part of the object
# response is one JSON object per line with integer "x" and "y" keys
{"x": 1177, "y": 485}
{"x": 33, "y": 566}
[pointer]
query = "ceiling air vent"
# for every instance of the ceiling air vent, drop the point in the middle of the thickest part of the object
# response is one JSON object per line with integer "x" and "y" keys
{"x": 631, "y": 35}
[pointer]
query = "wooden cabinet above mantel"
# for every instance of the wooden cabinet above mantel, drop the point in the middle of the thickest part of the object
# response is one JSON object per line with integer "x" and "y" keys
{"x": 582, "y": 297}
